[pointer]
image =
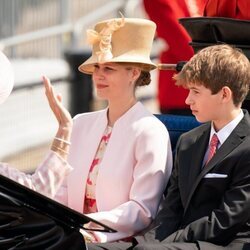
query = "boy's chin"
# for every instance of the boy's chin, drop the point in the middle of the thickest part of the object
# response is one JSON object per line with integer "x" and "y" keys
{"x": 201, "y": 119}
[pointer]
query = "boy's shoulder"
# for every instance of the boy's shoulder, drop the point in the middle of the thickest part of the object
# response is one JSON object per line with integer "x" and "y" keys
{"x": 242, "y": 129}
{"x": 204, "y": 127}
{"x": 191, "y": 137}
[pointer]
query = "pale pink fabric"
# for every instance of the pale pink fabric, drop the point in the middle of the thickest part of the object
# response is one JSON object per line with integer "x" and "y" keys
{"x": 47, "y": 178}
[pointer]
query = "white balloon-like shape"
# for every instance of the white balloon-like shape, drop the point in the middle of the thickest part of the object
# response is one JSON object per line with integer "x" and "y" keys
{"x": 6, "y": 77}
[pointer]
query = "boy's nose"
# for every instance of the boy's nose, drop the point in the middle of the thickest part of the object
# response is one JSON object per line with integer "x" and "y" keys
{"x": 188, "y": 99}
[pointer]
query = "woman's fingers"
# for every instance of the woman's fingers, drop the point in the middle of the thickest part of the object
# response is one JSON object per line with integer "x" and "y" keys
{"x": 48, "y": 90}
{"x": 59, "y": 97}
{"x": 55, "y": 102}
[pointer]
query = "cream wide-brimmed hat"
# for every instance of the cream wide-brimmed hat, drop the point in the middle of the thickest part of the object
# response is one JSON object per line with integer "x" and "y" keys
{"x": 121, "y": 40}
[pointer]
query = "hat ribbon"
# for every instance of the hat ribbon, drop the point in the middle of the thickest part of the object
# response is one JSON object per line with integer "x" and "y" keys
{"x": 104, "y": 37}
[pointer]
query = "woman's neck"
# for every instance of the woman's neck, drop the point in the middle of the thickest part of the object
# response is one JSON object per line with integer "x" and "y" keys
{"x": 118, "y": 108}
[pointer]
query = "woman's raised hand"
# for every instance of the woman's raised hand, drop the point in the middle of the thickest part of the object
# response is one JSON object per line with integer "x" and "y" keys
{"x": 55, "y": 102}
{"x": 61, "y": 141}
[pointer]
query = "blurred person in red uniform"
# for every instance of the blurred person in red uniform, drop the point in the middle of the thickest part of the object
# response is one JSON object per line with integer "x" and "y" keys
{"x": 238, "y": 9}
{"x": 165, "y": 13}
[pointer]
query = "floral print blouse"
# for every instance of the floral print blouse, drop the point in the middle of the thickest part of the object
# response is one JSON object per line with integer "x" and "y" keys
{"x": 90, "y": 201}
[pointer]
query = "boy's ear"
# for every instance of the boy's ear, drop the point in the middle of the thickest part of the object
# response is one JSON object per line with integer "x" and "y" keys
{"x": 226, "y": 94}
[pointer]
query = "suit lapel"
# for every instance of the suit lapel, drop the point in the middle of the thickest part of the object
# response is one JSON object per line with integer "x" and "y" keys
{"x": 197, "y": 157}
{"x": 197, "y": 151}
{"x": 229, "y": 145}
{"x": 233, "y": 141}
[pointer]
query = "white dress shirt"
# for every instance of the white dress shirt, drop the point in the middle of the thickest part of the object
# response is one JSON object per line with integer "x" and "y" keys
{"x": 223, "y": 133}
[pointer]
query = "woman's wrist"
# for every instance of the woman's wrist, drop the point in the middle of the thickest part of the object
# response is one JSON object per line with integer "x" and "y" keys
{"x": 61, "y": 148}
{"x": 61, "y": 142}
{"x": 65, "y": 127}
{"x": 64, "y": 132}
{"x": 63, "y": 153}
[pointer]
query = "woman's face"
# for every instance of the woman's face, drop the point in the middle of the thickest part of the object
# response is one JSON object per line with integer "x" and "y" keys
{"x": 113, "y": 80}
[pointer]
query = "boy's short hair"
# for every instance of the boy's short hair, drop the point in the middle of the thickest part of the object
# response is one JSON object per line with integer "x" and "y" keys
{"x": 215, "y": 67}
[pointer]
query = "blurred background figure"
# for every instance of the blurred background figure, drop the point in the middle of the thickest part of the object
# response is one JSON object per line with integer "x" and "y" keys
{"x": 165, "y": 13}
{"x": 227, "y": 8}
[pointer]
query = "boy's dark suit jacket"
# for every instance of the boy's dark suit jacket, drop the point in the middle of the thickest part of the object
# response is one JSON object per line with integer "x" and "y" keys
{"x": 210, "y": 203}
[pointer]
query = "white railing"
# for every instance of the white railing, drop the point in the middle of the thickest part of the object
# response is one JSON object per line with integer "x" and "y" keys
{"x": 74, "y": 28}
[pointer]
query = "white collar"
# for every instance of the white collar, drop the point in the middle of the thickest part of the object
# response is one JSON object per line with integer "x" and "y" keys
{"x": 227, "y": 129}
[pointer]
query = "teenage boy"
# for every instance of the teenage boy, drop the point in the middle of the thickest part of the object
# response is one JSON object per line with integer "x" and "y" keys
{"x": 208, "y": 201}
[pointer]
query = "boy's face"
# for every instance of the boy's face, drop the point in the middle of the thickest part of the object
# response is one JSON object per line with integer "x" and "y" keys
{"x": 203, "y": 104}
